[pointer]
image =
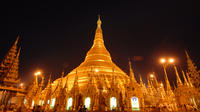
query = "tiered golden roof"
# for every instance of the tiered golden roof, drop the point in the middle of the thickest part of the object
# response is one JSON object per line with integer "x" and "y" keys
{"x": 9, "y": 66}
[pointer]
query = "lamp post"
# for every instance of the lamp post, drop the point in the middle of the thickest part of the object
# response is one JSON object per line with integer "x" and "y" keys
{"x": 35, "y": 100}
{"x": 164, "y": 62}
{"x": 37, "y": 74}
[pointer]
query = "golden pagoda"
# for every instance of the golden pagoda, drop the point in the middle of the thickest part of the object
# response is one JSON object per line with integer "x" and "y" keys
{"x": 97, "y": 83}
{"x": 97, "y": 61}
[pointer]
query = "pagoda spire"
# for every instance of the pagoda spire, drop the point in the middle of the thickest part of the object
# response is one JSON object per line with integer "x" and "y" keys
{"x": 192, "y": 71}
{"x": 187, "y": 55}
{"x": 156, "y": 80}
{"x": 143, "y": 87}
{"x": 150, "y": 89}
{"x": 66, "y": 85}
{"x": 189, "y": 80}
{"x": 99, "y": 58}
{"x": 141, "y": 81}
{"x": 168, "y": 86}
{"x": 9, "y": 58}
{"x": 98, "y": 49}
{"x": 162, "y": 91}
{"x": 49, "y": 81}
{"x": 185, "y": 79}
{"x": 132, "y": 77}
{"x": 16, "y": 41}
{"x": 9, "y": 66}
{"x": 76, "y": 79}
{"x": 178, "y": 80}
{"x": 61, "y": 80}
{"x": 149, "y": 84}
{"x": 99, "y": 22}
{"x": 14, "y": 47}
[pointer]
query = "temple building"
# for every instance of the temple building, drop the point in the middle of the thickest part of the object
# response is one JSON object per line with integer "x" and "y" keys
{"x": 99, "y": 84}
{"x": 11, "y": 90}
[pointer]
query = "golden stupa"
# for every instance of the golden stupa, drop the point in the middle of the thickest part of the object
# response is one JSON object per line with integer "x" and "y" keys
{"x": 97, "y": 62}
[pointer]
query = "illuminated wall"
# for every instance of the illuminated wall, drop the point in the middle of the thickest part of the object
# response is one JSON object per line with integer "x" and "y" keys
{"x": 113, "y": 103}
{"x": 69, "y": 103}
{"x": 87, "y": 102}
{"x": 135, "y": 103}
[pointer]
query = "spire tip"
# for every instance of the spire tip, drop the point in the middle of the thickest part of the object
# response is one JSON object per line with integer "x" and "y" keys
{"x": 99, "y": 21}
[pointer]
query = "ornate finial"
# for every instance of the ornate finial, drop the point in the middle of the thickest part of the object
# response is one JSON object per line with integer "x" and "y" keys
{"x": 63, "y": 73}
{"x": 187, "y": 55}
{"x": 99, "y": 21}
{"x": 141, "y": 82}
{"x": 16, "y": 41}
{"x": 49, "y": 81}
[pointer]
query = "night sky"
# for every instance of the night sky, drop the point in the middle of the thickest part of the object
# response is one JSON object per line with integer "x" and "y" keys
{"x": 58, "y": 34}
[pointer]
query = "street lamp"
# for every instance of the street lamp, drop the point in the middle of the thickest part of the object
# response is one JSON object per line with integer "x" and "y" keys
{"x": 171, "y": 60}
{"x": 37, "y": 73}
{"x": 165, "y": 63}
{"x": 162, "y": 60}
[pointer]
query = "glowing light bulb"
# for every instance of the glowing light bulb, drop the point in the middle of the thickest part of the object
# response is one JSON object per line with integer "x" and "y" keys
{"x": 37, "y": 73}
{"x": 171, "y": 60}
{"x": 162, "y": 60}
{"x": 151, "y": 75}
